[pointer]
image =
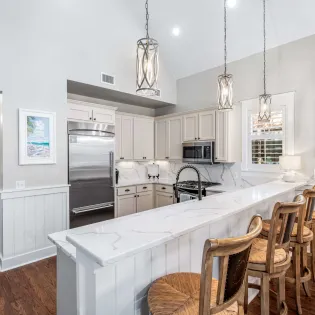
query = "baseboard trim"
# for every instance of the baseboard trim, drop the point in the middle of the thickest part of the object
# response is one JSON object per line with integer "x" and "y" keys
{"x": 28, "y": 258}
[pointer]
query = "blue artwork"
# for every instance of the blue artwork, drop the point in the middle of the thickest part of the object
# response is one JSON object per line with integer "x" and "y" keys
{"x": 38, "y": 140}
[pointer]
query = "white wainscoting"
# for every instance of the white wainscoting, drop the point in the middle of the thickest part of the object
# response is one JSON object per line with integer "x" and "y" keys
{"x": 27, "y": 217}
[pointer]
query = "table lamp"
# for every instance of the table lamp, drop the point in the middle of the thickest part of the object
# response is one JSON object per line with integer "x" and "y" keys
{"x": 290, "y": 164}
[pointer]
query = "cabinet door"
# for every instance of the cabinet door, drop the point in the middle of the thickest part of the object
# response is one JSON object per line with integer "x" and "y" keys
{"x": 118, "y": 137}
{"x": 126, "y": 205}
{"x": 80, "y": 112}
{"x": 190, "y": 132}
{"x": 126, "y": 137}
{"x": 149, "y": 139}
{"x": 143, "y": 139}
{"x": 163, "y": 199}
{"x": 221, "y": 145}
{"x": 207, "y": 125}
{"x": 103, "y": 115}
{"x": 160, "y": 139}
{"x": 145, "y": 201}
{"x": 174, "y": 138}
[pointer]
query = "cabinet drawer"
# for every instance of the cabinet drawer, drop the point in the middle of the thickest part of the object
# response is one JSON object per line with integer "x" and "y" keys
{"x": 164, "y": 188}
{"x": 144, "y": 188}
{"x": 126, "y": 190}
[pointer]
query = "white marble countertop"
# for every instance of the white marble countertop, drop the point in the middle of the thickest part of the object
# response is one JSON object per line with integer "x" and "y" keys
{"x": 163, "y": 181}
{"x": 108, "y": 242}
{"x": 223, "y": 188}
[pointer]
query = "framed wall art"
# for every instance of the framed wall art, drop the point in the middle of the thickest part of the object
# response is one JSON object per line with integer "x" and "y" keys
{"x": 37, "y": 137}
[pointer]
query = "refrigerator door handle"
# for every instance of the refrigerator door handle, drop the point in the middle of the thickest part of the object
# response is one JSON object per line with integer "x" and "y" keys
{"x": 111, "y": 167}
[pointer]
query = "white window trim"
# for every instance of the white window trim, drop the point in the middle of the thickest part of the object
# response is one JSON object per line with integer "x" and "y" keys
{"x": 284, "y": 101}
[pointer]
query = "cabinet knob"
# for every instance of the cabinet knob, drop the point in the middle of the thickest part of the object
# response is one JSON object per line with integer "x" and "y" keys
{"x": 135, "y": 196}
{"x": 122, "y": 158}
{"x": 94, "y": 118}
{"x": 195, "y": 138}
{"x": 127, "y": 190}
{"x": 90, "y": 118}
{"x": 144, "y": 187}
{"x": 171, "y": 196}
{"x": 163, "y": 188}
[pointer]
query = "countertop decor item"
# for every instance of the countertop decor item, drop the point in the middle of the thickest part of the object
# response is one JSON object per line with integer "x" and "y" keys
{"x": 37, "y": 137}
{"x": 264, "y": 99}
{"x": 153, "y": 171}
{"x": 290, "y": 164}
{"x": 147, "y": 62}
{"x": 225, "y": 81}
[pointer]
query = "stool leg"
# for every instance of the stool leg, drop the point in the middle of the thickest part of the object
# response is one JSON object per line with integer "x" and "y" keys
{"x": 264, "y": 295}
{"x": 313, "y": 253}
{"x": 304, "y": 265}
{"x": 281, "y": 292}
{"x": 246, "y": 294}
{"x": 297, "y": 272}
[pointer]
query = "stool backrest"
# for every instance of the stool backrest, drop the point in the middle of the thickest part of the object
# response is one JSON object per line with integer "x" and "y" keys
{"x": 283, "y": 217}
{"x": 233, "y": 254}
{"x": 309, "y": 195}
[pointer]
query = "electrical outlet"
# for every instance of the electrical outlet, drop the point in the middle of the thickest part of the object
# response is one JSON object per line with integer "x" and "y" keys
{"x": 20, "y": 184}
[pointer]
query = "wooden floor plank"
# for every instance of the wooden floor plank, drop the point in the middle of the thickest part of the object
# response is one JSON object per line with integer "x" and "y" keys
{"x": 31, "y": 290}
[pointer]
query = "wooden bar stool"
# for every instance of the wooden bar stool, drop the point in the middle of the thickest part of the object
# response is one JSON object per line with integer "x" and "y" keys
{"x": 301, "y": 238}
{"x": 312, "y": 227}
{"x": 270, "y": 259}
{"x": 195, "y": 294}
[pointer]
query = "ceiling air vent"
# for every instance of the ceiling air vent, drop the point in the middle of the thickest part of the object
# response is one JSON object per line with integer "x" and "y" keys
{"x": 107, "y": 79}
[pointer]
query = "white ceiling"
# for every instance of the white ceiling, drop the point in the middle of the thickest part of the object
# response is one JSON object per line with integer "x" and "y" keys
{"x": 200, "y": 45}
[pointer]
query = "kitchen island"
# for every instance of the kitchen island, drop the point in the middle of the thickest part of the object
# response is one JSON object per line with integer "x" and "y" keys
{"x": 107, "y": 268}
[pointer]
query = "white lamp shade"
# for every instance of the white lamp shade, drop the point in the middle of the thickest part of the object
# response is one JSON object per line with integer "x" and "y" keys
{"x": 290, "y": 162}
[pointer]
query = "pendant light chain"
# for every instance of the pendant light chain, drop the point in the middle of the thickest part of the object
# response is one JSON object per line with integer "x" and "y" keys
{"x": 265, "y": 88}
{"x": 225, "y": 37}
{"x": 147, "y": 17}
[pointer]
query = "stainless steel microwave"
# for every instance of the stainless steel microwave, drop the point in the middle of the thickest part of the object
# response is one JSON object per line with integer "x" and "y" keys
{"x": 199, "y": 152}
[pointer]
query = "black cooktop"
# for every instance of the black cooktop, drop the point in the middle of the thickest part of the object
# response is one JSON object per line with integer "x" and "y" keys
{"x": 193, "y": 184}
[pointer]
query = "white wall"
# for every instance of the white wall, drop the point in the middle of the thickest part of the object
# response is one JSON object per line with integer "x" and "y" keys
{"x": 291, "y": 67}
{"x": 44, "y": 43}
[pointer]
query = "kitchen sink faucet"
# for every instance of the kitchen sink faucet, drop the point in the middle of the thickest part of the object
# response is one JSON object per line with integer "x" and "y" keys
{"x": 199, "y": 180}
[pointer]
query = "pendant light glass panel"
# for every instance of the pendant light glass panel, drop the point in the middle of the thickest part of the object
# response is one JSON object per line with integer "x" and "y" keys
{"x": 225, "y": 91}
{"x": 264, "y": 108}
{"x": 147, "y": 67}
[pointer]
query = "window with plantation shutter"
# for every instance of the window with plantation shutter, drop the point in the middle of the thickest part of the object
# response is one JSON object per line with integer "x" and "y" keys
{"x": 266, "y": 139}
{"x": 264, "y": 143}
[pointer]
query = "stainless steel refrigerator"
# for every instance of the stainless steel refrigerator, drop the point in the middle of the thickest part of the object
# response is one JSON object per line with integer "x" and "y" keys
{"x": 91, "y": 170}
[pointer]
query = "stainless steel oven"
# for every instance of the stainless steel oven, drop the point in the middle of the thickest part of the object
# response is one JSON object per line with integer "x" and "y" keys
{"x": 199, "y": 152}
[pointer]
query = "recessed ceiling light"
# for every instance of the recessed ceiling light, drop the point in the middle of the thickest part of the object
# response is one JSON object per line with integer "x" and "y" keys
{"x": 176, "y": 31}
{"x": 231, "y": 3}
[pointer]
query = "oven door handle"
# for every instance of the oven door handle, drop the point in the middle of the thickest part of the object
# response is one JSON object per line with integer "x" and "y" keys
{"x": 77, "y": 211}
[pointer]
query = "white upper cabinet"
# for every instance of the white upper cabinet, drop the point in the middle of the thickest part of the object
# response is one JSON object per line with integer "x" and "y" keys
{"x": 207, "y": 125}
{"x": 103, "y": 115}
{"x": 168, "y": 139}
{"x": 174, "y": 138}
{"x": 143, "y": 139}
{"x": 199, "y": 126}
{"x": 83, "y": 112}
{"x": 190, "y": 132}
{"x": 160, "y": 139}
{"x": 80, "y": 112}
{"x": 118, "y": 137}
{"x": 124, "y": 137}
{"x": 228, "y": 147}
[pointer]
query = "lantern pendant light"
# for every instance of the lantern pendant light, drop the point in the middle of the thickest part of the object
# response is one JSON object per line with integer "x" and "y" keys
{"x": 147, "y": 62}
{"x": 225, "y": 81}
{"x": 264, "y": 99}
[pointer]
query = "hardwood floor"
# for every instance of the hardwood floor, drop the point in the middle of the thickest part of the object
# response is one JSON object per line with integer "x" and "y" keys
{"x": 31, "y": 290}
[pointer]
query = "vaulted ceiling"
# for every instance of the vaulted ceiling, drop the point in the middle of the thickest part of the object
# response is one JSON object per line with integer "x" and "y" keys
{"x": 200, "y": 44}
